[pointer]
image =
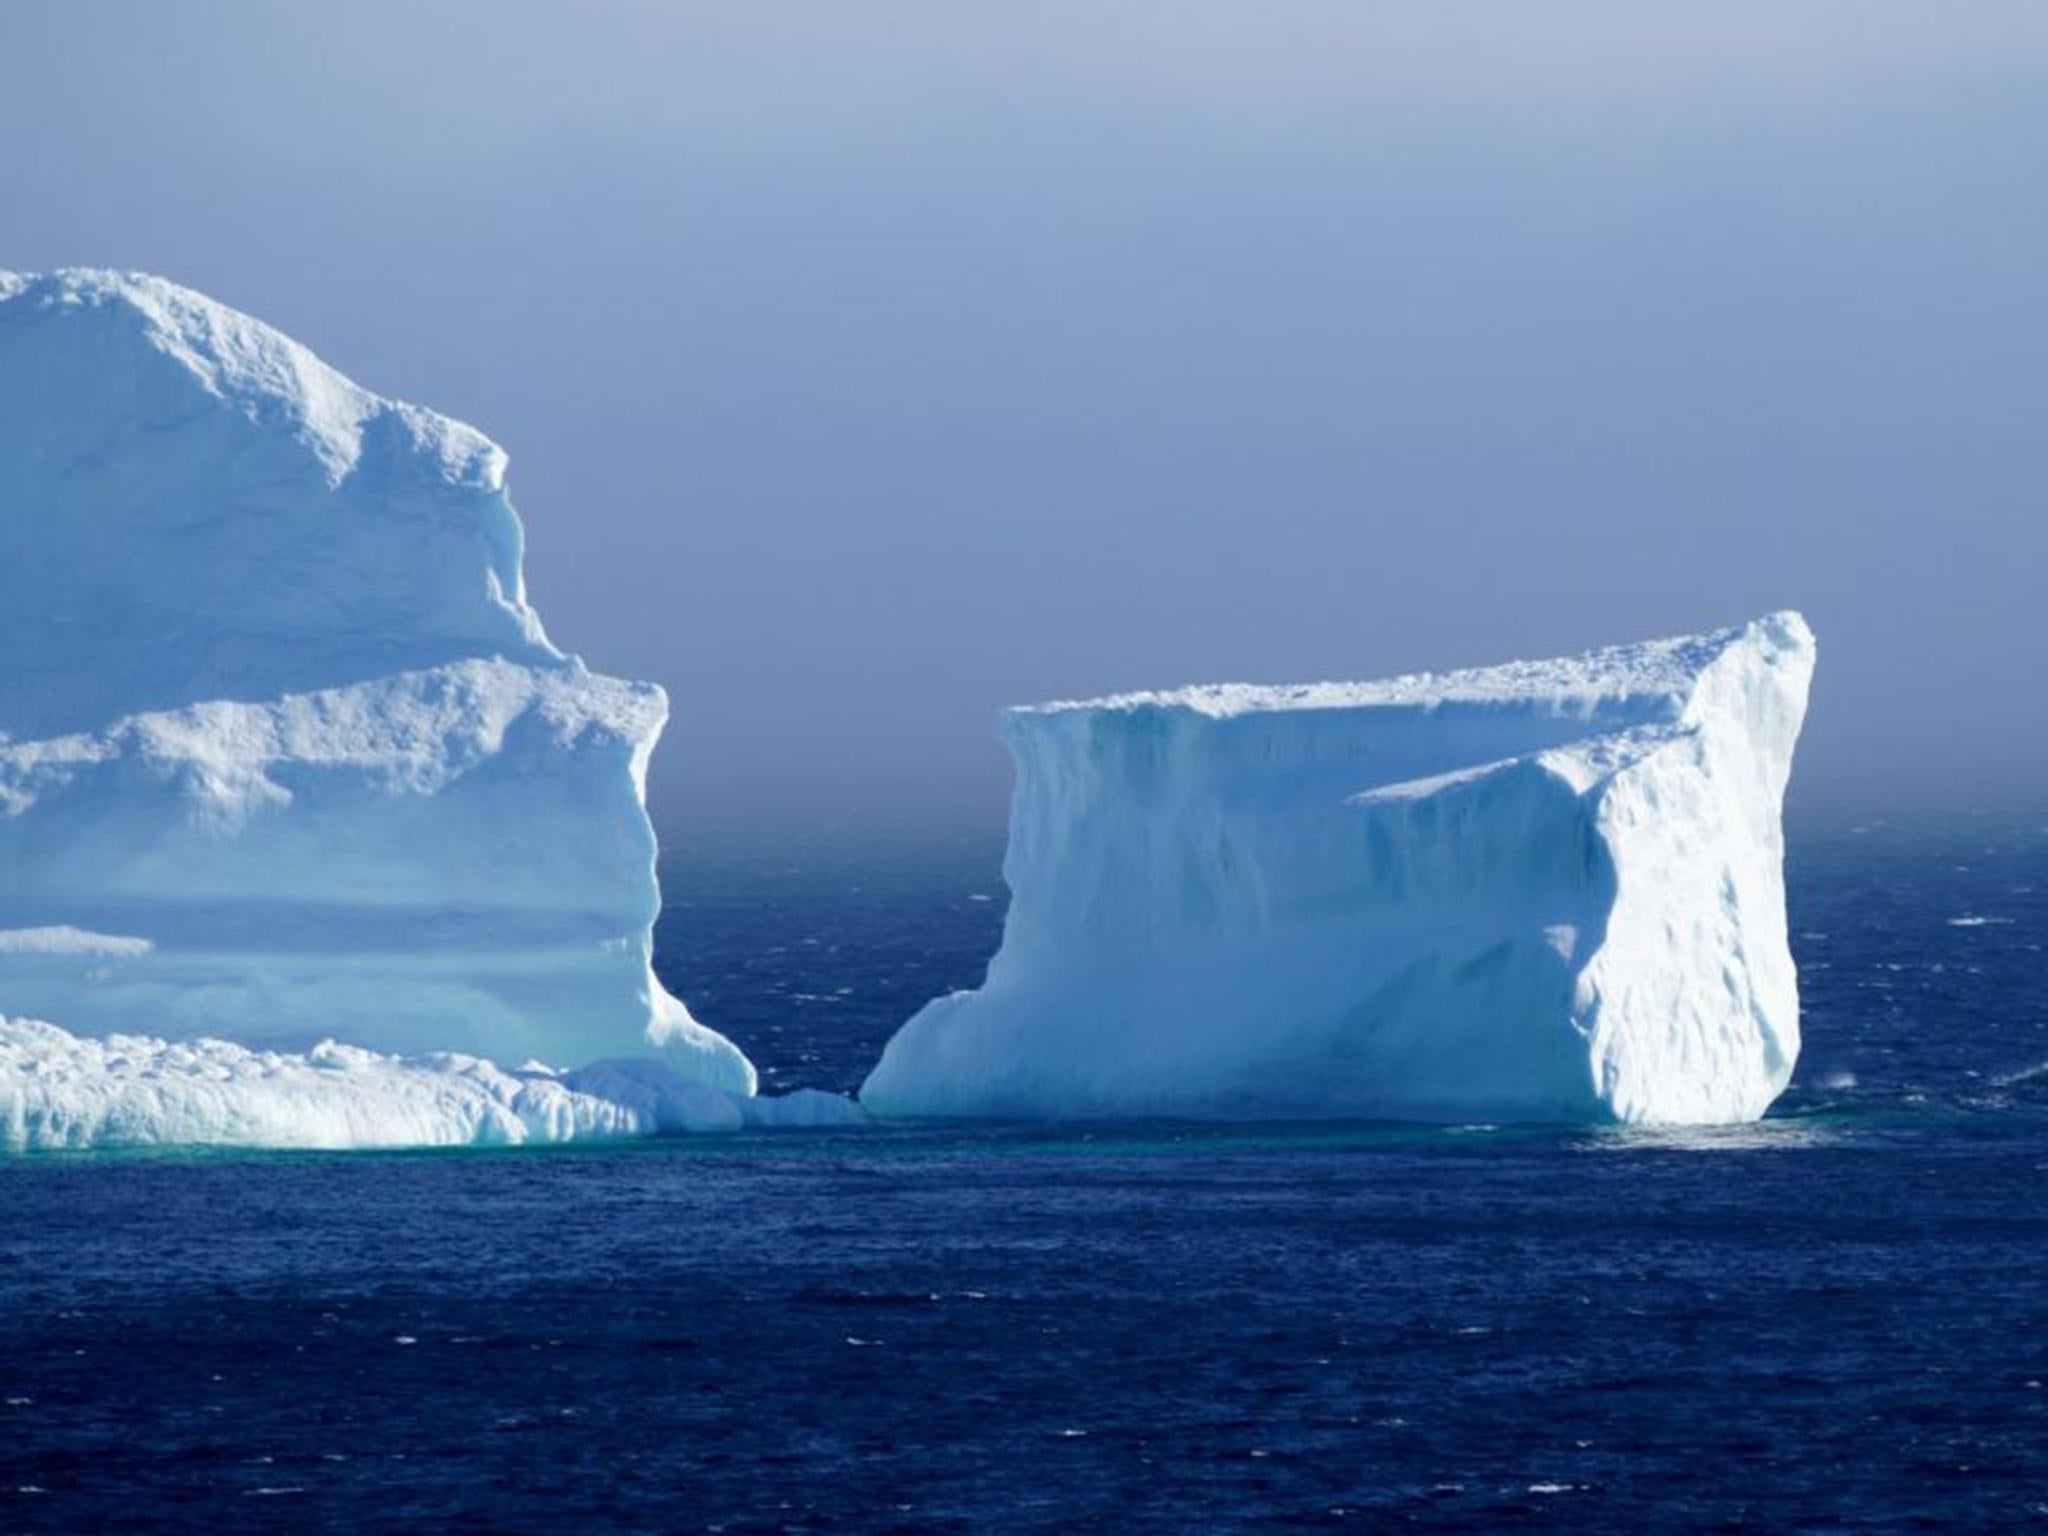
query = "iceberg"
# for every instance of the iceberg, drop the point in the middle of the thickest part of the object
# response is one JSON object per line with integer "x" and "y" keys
{"x": 286, "y": 757}
{"x": 1548, "y": 891}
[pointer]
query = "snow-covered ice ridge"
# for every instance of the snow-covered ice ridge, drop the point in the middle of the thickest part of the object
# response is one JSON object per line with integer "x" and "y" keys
{"x": 1651, "y": 667}
{"x": 1545, "y": 891}
{"x": 286, "y": 755}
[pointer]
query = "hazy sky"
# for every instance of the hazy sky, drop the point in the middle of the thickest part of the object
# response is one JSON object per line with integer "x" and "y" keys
{"x": 866, "y": 367}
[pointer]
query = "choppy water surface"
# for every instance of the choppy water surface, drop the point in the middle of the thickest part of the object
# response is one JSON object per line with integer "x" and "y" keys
{"x": 1837, "y": 1319}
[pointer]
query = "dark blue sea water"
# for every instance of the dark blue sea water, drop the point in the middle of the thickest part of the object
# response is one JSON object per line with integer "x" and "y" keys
{"x": 1836, "y": 1320}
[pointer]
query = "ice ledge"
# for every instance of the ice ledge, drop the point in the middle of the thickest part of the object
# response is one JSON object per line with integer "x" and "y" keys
{"x": 60, "y": 1092}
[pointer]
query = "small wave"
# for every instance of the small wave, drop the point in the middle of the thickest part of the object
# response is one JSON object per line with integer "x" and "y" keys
{"x": 2023, "y": 1075}
{"x": 1785, "y": 1134}
{"x": 1973, "y": 920}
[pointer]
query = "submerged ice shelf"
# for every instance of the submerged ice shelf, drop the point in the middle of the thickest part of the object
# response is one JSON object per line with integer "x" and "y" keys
{"x": 1543, "y": 891}
{"x": 286, "y": 755}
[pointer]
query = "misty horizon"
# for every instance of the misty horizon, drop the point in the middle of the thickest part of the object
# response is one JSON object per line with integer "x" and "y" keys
{"x": 864, "y": 378}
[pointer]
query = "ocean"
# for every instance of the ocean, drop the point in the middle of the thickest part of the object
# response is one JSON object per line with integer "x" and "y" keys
{"x": 1834, "y": 1320}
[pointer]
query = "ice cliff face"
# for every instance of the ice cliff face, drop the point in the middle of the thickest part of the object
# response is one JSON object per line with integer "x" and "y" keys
{"x": 284, "y": 753}
{"x": 1544, "y": 891}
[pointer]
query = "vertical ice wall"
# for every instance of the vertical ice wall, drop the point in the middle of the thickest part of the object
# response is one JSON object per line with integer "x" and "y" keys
{"x": 284, "y": 752}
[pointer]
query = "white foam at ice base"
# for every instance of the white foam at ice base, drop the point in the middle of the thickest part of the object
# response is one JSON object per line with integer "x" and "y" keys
{"x": 1544, "y": 891}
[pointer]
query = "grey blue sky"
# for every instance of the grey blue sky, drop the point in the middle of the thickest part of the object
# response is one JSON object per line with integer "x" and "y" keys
{"x": 866, "y": 367}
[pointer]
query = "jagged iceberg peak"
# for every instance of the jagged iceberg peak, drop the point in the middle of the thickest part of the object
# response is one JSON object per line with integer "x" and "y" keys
{"x": 1540, "y": 891}
{"x": 284, "y": 753}
{"x": 196, "y": 505}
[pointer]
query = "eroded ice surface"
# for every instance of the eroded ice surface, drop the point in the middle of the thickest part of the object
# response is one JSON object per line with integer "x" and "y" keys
{"x": 1543, "y": 891}
{"x": 61, "y": 1092}
{"x": 285, "y": 755}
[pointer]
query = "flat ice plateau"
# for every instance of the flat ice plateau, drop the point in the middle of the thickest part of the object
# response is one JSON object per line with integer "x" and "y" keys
{"x": 287, "y": 758}
{"x": 1548, "y": 891}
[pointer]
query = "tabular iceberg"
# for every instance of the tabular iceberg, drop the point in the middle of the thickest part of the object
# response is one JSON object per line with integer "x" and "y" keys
{"x": 1545, "y": 891}
{"x": 284, "y": 752}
